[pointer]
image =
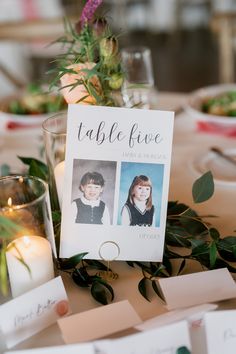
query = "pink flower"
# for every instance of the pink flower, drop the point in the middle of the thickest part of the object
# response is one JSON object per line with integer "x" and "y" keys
{"x": 73, "y": 95}
{"x": 89, "y": 10}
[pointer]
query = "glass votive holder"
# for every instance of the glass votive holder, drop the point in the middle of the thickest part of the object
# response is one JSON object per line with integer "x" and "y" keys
{"x": 26, "y": 219}
{"x": 54, "y": 132}
{"x": 139, "y": 78}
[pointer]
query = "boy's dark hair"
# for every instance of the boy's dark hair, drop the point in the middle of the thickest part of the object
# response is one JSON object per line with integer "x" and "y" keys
{"x": 92, "y": 177}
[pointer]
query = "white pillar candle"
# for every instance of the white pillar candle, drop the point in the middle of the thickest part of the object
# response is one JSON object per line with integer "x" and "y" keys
{"x": 59, "y": 172}
{"x": 37, "y": 254}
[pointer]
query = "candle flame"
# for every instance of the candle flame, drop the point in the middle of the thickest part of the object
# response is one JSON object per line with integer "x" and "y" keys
{"x": 26, "y": 241}
{"x": 9, "y": 202}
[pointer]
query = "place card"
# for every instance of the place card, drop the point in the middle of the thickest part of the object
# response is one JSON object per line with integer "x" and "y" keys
{"x": 98, "y": 322}
{"x": 163, "y": 340}
{"x": 33, "y": 311}
{"x": 191, "y": 314}
{"x": 116, "y": 183}
{"x": 198, "y": 288}
{"x": 83, "y": 348}
{"x": 220, "y": 329}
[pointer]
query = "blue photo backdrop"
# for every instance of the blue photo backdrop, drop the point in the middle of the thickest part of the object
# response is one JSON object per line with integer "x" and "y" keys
{"x": 154, "y": 171}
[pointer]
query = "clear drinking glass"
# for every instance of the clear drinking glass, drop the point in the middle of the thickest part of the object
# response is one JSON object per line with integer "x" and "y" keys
{"x": 54, "y": 132}
{"x": 139, "y": 81}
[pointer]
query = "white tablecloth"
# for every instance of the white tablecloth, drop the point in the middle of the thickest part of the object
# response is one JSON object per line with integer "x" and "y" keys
{"x": 188, "y": 144}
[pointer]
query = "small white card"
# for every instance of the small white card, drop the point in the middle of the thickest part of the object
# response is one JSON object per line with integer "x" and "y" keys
{"x": 220, "y": 327}
{"x": 191, "y": 314}
{"x": 99, "y": 322}
{"x": 31, "y": 312}
{"x": 83, "y": 348}
{"x": 160, "y": 340}
{"x": 198, "y": 288}
{"x": 116, "y": 183}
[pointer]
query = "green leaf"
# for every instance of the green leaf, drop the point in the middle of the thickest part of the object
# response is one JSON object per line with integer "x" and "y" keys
{"x": 142, "y": 287}
{"x": 72, "y": 261}
{"x": 157, "y": 291}
{"x": 3, "y": 272}
{"x": 182, "y": 265}
{"x": 220, "y": 263}
{"x": 4, "y": 170}
{"x": 56, "y": 216}
{"x": 176, "y": 208}
{"x": 213, "y": 255}
{"x": 96, "y": 264}
{"x": 214, "y": 233}
{"x": 8, "y": 228}
{"x": 227, "y": 248}
{"x": 37, "y": 168}
{"x": 81, "y": 277}
{"x": 203, "y": 188}
{"x": 201, "y": 249}
{"x": 168, "y": 266}
{"x": 100, "y": 291}
{"x": 183, "y": 350}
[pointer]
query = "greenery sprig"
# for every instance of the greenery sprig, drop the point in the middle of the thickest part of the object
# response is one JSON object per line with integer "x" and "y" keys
{"x": 92, "y": 44}
{"x": 8, "y": 229}
{"x": 188, "y": 237}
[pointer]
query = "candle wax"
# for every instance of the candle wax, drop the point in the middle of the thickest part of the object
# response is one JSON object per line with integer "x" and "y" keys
{"x": 37, "y": 254}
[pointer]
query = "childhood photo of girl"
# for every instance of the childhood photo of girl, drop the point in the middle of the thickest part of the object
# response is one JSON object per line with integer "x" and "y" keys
{"x": 92, "y": 197}
{"x": 138, "y": 209}
{"x": 140, "y": 194}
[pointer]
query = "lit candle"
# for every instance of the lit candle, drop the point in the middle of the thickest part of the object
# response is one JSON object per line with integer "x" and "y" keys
{"x": 36, "y": 253}
{"x": 59, "y": 172}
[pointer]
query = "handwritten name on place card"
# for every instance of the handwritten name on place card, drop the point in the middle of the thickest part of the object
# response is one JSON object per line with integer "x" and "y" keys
{"x": 198, "y": 288}
{"x": 99, "y": 322}
{"x": 31, "y": 312}
{"x": 220, "y": 327}
{"x": 84, "y": 348}
{"x": 163, "y": 340}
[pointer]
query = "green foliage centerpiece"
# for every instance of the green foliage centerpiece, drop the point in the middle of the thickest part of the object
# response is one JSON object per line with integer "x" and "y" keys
{"x": 188, "y": 237}
{"x": 89, "y": 72}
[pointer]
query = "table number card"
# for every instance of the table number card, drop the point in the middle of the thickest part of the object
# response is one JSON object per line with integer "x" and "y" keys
{"x": 116, "y": 183}
{"x": 164, "y": 340}
{"x": 31, "y": 312}
{"x": 220, "y": 329}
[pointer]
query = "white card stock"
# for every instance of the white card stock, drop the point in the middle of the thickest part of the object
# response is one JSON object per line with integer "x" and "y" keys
{"x": 113, "y": 154}
{"x": 198, "y": 288}
{"x": 98, "y": 323}
{"x": 84, "y": 348}
{"x": 31, "y": 312}
{"x": 190, "y": 314}
{"x": 220, "y": 327}
{"x": 164, "y": 340}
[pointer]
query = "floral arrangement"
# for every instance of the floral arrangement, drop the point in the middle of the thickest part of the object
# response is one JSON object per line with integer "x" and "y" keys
{"x": 90, "y": 69}
{"x": 88, "y": 73}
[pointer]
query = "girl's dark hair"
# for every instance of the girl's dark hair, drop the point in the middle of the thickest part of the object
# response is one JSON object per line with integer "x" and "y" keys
{"x": 92, "y": 177}
{"x": 141, "y": 181}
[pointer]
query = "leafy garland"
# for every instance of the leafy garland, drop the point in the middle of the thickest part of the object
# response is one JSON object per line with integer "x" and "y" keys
{"x": 188, "y": 237}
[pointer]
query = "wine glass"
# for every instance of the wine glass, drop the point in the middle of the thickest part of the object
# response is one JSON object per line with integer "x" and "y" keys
{"x": 139, "y": 81}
